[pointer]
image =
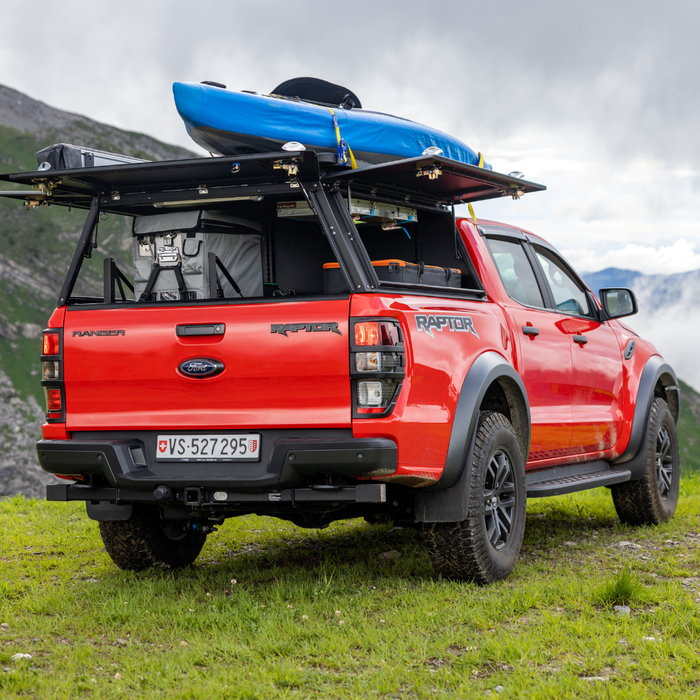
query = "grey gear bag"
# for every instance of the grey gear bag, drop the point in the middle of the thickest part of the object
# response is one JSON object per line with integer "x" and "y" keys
{"x": 196, "y": 255}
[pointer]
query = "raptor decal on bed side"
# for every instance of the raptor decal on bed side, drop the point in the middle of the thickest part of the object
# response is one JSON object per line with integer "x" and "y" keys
{"x": 430, "y": 323}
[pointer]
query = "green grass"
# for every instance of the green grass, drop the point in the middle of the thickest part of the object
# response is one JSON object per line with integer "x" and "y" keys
{"x": 273, "y": 611}
{"x": 622, "y": 588}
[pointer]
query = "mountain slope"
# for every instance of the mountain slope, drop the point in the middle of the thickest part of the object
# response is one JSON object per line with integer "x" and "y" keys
{"x": 35, "y": 125}
{"x": 35, "y": 253}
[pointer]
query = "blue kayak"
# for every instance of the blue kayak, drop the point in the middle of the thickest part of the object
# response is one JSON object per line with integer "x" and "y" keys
{"x": 233, "y": 123}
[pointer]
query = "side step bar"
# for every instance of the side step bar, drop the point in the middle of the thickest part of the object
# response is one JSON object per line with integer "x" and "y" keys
{"x": 569, "y": 479}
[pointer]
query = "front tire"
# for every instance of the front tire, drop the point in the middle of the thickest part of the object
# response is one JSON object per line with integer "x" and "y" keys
{"x": 653, "y": 499}
{"x": 147, "y": 541}
{"x": 484, "y": 547}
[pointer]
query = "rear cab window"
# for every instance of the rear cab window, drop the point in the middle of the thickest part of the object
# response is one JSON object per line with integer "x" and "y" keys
{"x": 516, "y": 271}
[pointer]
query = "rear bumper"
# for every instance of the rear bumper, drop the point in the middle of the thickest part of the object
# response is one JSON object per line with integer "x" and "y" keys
{"x": 129, "y": 463}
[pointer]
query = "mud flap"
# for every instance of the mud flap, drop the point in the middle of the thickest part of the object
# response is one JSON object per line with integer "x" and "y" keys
{"x": 452, "y": 504}
{"x": 104, "y": 511}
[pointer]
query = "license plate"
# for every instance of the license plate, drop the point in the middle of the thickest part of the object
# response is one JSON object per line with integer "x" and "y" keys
{"x": 209, "y": 448}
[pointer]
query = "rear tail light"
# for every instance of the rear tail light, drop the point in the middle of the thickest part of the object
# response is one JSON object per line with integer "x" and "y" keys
{"x": 377, "y": 333}
{"x": 52, "y": 344}
{"x": 49, "y": 370}
{"x": 378, "y": 361}
{"x": 53, "y": 400}
{"x": 374, "y": 395}
{"x": 367, "y": 361}
{"x": 52, "y": 375}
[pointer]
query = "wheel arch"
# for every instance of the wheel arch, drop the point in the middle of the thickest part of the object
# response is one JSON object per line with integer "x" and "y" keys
{"x": 505, "y": 395}
{"x": 658, "y": 380}
{"x": 491, "y": 384}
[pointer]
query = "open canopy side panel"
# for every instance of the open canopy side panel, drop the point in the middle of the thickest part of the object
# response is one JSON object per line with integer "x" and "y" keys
{"x": 198, "y": 182}
{"x": 431, "y": 179}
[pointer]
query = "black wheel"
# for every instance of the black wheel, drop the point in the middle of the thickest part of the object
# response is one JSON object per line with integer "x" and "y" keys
{"x": 485, "y": 547}
{"x": 653, "y": 499}
{"x": 145, "y": 541}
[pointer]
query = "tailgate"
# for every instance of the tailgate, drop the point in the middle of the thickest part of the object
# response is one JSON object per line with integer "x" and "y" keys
{"x": 285, "y": 364}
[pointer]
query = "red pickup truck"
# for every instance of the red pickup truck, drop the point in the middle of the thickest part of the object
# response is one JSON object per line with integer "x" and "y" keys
{"x": 275, "y": 335}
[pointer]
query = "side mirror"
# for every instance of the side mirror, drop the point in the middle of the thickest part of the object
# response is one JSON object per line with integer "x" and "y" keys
{"x": 618, "y": 302}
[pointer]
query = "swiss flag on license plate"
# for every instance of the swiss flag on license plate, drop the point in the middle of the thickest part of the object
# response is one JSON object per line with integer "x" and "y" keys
{"x": 162, "y": 445}
{"x": 252, "y": 445}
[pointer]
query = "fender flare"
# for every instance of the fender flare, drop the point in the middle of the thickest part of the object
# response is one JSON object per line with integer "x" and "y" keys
{"x": 448, "y": 499}
{"x": 655, "y": 369}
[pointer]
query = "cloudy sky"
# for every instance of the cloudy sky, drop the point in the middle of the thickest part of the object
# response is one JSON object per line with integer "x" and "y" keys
{"x": 599, "y": 101}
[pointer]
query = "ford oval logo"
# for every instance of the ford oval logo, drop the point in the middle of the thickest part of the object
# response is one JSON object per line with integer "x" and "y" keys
{"x": 201, "y": 367}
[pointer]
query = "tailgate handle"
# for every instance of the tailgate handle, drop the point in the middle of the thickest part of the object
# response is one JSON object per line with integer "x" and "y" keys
{"x": 201, "y": 329}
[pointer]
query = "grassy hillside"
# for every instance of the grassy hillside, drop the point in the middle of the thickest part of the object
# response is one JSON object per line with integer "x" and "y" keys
{"x": 38, "y": 245}
{"x": 272, "y": 611}
{"x": 689, "y": 429}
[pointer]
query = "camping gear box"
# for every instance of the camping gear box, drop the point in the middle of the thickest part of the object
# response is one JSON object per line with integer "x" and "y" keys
{"x": 64, "y": 156}
{"x": 196, "y": 255}
{"x": 395, "y": 271}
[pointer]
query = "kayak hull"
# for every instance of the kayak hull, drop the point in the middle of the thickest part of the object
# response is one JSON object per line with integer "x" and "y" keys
{"x": 236, "y": 123}
{"x": 228, "y": 143}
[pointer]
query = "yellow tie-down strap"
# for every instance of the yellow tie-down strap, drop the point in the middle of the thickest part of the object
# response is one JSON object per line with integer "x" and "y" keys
{"x": 480, "y": 164}
{"x": 343, "y": 145}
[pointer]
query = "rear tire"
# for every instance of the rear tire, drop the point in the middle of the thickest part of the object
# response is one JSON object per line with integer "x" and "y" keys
{"x": 653, "y": 499}
{"x": 484, "y": 547}
{"x": 147, "y": 541}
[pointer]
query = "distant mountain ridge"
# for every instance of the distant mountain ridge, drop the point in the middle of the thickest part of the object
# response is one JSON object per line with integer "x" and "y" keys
{"x": 610, "y": 277}
{"x": 656, "y": 291}
{"x": 669, "y": 314}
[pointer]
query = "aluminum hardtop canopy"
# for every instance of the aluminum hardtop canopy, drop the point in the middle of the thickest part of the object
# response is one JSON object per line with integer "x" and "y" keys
{"x": 431, "y": 181}
{"x": 434, "y": 178}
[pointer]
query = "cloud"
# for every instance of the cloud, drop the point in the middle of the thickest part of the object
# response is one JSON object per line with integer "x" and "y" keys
{"x": 619, "y": 74}
{"x": 598, "y": 100}
{"x": 666, "y": 260}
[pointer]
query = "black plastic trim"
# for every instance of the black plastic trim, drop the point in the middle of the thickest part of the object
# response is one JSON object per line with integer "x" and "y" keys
{"x": 55, "y": 383}
{"x": 112, "y": 460}
{"x": 604, "y": 310}
{"x": 573, "y": 478}
{"x": 359, "y": 376}
{"x": 201, "y": 329}
{"x": 633, "y": 457}
{"x": 97, "y": 304}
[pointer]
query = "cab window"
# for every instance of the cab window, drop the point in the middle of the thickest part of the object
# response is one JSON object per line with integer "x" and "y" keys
{"x": 569, "y": 296}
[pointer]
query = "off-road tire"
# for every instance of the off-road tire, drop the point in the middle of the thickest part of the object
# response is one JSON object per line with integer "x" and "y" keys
{"x": 653, "y": 499}
{"x": 485, "y": 547}
{"x": 146, "y": 541}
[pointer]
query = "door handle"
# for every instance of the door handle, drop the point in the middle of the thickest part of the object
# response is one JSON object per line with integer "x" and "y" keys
{"x": 201, "y": 329}
{"x": 530, "y": 330}
{"x": 580, "y": 339}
